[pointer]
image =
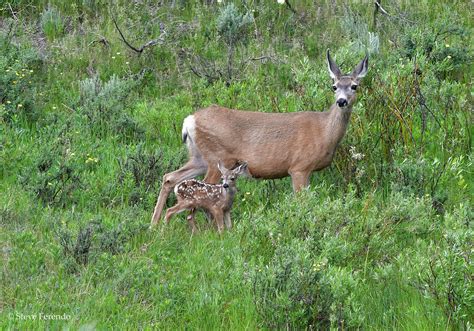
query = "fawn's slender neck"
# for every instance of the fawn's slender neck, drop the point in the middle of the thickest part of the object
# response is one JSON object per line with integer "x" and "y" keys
{"x": 229, "y": 195}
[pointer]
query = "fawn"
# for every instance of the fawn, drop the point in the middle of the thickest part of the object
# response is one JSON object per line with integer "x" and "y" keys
{"x": 216, "y": 199}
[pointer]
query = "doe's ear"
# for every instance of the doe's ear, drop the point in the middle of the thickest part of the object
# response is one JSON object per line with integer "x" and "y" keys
{"x": 361, "y": 69}
{"x": 334, "y": 70}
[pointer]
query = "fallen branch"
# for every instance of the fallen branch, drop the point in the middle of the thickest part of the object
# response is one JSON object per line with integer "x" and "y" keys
{"x": 288, "y": 4}
{"x": 137, "y": 50}
{"x": 102, "y": 41}
{"x": 379, "y": 7}
{"x": 13, "y": 12}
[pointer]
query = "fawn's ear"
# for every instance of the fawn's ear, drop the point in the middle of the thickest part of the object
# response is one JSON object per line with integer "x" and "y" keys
{"x": 221, "y": 167}
{"x": 242, "y": 169}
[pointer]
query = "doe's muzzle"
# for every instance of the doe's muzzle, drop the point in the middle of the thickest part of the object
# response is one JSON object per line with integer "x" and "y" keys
{"x": 341, "y": 102}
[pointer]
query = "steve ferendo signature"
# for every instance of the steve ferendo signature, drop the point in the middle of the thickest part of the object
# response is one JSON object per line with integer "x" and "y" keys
{"x": 39, "y": 316}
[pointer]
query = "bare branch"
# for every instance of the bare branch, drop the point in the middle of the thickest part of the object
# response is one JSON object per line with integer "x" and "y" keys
{"x": 13, "y": 12}
{"x": 288, "y": 4}
{"x": 102, "y": 40}
{"x": 379, "y": 6}
{"x": 148, "y": 44}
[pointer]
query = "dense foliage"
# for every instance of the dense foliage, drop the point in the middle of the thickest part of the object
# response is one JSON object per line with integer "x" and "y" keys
{"x": 88, "y": 127}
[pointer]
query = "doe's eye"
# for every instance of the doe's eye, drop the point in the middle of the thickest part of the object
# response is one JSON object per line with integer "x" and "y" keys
{"x": 334, "y": 87}
{"x": 354, "y": 87}
{"x": 232, "y": 178}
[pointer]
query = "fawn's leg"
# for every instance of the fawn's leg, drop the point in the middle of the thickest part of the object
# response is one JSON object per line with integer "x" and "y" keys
{"x": 192, "y": 168}
{"x": 227, "y": 220}
{"x": 219, "y": 218}
{"x": 172, "y": 211}
{"x": 191, "y": 222}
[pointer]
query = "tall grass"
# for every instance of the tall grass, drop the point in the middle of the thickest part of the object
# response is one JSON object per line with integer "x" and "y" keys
{"x": 380, "y": 240}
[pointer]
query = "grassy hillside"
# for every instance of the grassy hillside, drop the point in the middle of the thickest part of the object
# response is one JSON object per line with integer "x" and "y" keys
{"x": 382, "y": 239}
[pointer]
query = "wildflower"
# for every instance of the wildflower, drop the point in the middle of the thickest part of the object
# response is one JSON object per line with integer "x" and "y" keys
{"x": 8, "y": 70}
{"x": 20, "y": 105}
{"x": 248, "y": 193}
{"x": 354, "y": 155}
{"x": 113, "y": 57}
{"x": 14, "y": 82}
{"x": 281, "y": 2}
{"x": 9, "y": 102}
{"x": 54, "y": 107}
{"x": 118, "y": 53}
{"x": 127, "y": 62}
{"x": 447, "y": 45}
{"x": 219, "y": 1}
{"x": 449, "y": 56}
{"x": 31, "y": 71}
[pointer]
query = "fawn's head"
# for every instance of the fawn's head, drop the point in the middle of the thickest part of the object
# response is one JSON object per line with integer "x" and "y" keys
{"x": 229, "y": 177}
{"x": 345, "y": 86}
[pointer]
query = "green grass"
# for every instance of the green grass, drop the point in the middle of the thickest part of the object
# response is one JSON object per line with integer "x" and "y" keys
{"x": 87, "y": 131}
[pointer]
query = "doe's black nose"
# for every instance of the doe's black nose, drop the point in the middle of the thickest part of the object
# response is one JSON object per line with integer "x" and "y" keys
{"x": 226, "y": 185}
{"x": 341, "y": 102}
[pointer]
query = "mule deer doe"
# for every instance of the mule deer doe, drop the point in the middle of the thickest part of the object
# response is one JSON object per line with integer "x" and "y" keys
{"x": 275, "y": 145}
{"x": 216, "y": 199}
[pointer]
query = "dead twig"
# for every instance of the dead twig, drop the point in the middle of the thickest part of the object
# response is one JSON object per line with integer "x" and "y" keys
{"x": 148, "y": 44}
{"x": 379, "y": 7}
{"x": 102, "y": 40}
{"x": 13, "y": 12}
{"x": 288, "y": 4}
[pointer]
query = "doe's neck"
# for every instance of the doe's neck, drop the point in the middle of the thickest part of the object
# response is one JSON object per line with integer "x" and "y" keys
{"x": 338, "y": 121}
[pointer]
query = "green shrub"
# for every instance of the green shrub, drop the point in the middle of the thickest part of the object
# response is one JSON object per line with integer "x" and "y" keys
{"x": 52, "y": 23}
{"x": 19, "y": 65}
{"x": 233, "y": 26}
{"x": 443, "y": 269}
{"x": 104, "y": 103}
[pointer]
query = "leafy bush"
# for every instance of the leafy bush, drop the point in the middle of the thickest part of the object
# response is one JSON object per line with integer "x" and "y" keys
{"x": 232, "y": 26}
{"x": 103, "y": 104}
{"x": 93, "y": 239}
{"x": 312, "y": 271}
{"x": 52, "y": 23}
{"x": 144, "y": 169}
{"x": 19, "y": 65}
{"x": 444, "y": 43}
{"x": 443, "y": 269}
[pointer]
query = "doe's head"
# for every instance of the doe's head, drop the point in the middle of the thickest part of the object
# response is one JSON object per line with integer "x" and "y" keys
{"x": 229, "y": 176}
{"x": 345, "y": 86}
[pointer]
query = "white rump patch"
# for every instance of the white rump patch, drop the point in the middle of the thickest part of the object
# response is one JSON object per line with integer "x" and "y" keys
{"x": 189, "y": 129}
